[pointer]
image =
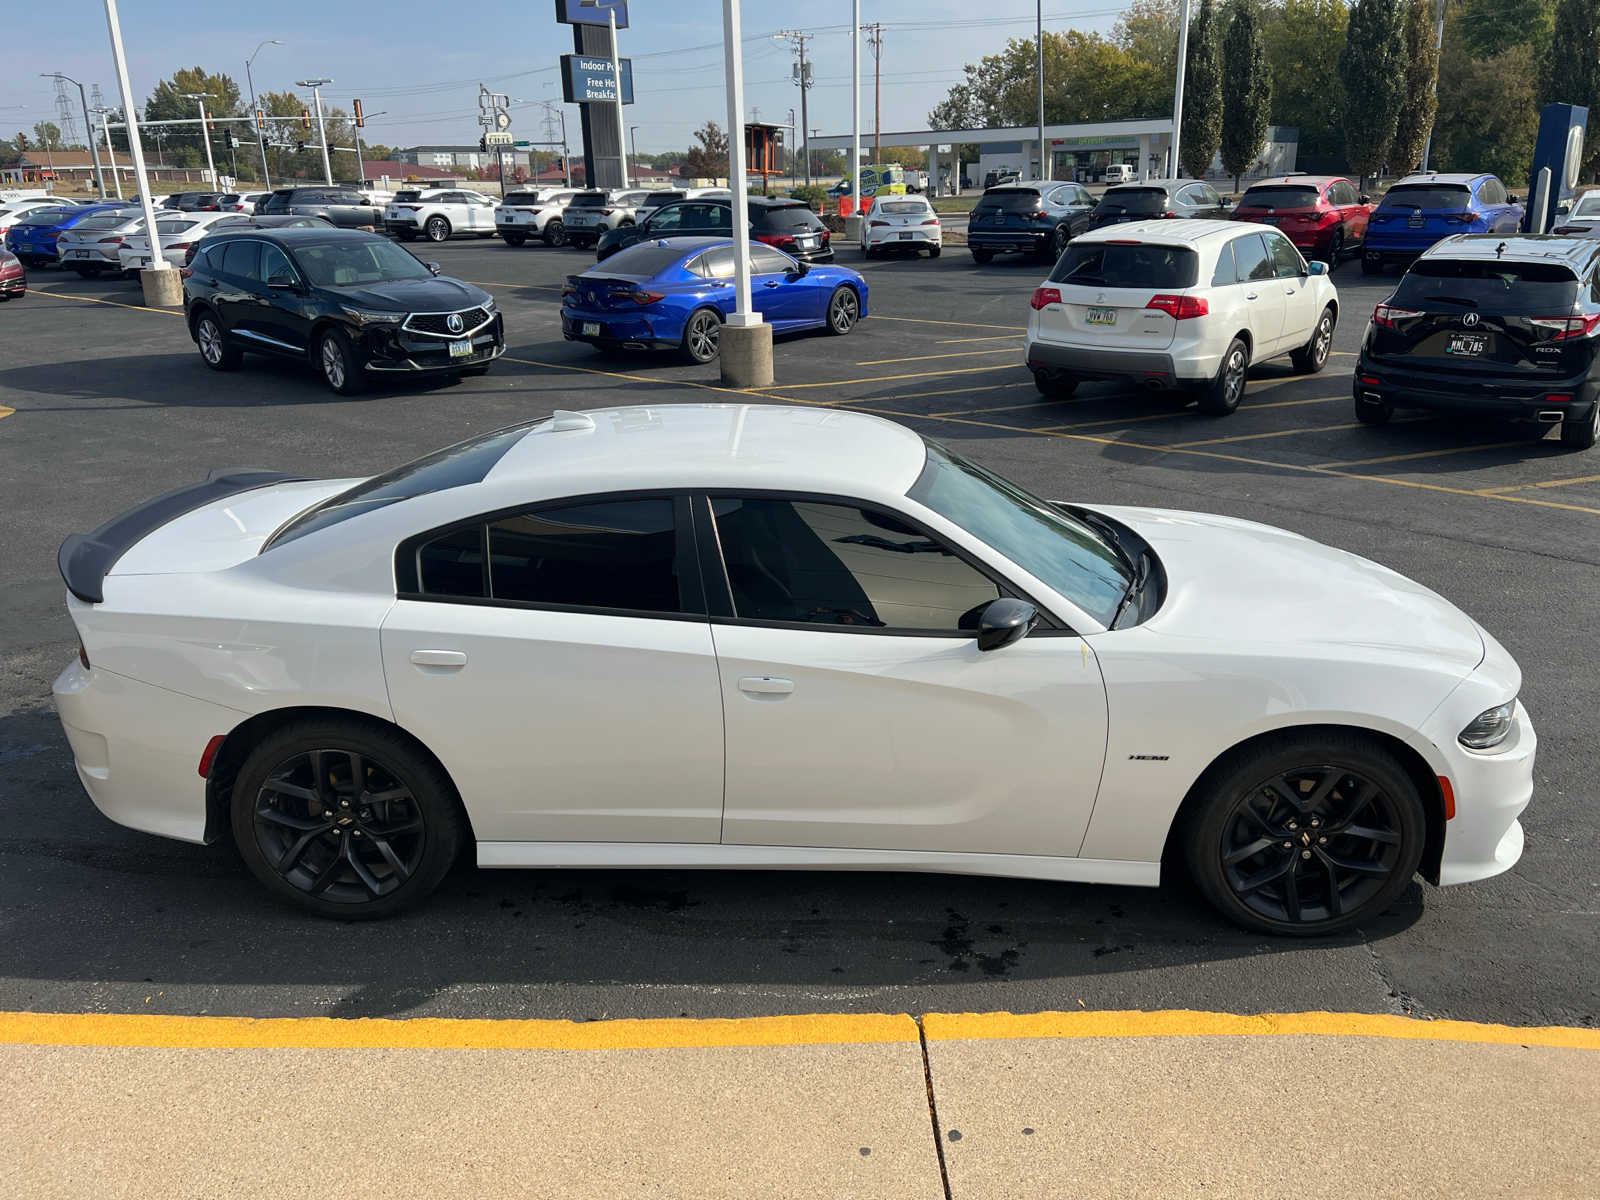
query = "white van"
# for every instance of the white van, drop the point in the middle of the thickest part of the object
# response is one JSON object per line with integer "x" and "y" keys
{"x": 1118, "y": 173}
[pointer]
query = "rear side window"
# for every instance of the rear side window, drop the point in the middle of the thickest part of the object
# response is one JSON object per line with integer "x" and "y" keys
{"x": 618, "y": 554}
{"x": 1492, "y": 191}
{"x": 1279, "y": 197}
{"x": 1121, "y": 265}
{"x": 1510, "y": 288}
{"x": 1427, "y": 197}
{"x": 1011, "y": 200}
{"x": 1134, "y": 200}
{"x": 715, "y": 264}
{"x": 1224, "y": 275}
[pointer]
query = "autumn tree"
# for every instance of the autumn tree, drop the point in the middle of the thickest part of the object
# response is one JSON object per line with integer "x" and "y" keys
{"x": 708, "y": 159}
{"x": 1372, "y": 71}
{"x": 168, "y": 102}
{"x": 1246, "y": 91}
{"x": 1418, "y": 102}
{"x": 1202, "y": 94}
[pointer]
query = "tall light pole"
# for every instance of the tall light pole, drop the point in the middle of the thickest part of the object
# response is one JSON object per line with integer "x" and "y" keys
{"x": 1438, "y": 50}
{"x": 160, "y": 288}
{"x": 1038, "y": 35}
{"x": 111, "y": 153}
{"x": 633, "y": 143}
{"x": 88, "y": 129}
{"x": 322, "y": 133}
{"x": 1177, "y": 93}
{"x": 261, "y": 134}
{"x": 205, "y": 130}
{"x": 746, "y": 343}
{"x": 853, "y": 173}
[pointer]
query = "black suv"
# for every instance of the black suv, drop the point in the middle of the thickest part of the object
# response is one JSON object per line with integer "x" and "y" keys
{"x": 194, "y": 202}
{"x": 788, "y": 225}
{"x": 1504, "y": 326}
{"x": 1158, "y": 198}
{"x": 344, "y": 207}
{"x": 1028, "y": 218}
{"x": 345, "y": 301}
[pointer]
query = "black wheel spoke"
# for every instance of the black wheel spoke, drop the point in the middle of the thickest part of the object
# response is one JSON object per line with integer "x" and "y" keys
{"x": 283, "y": 787}
{"x": 1368, "y": 833}
{"x": 385, "y": 797}
{"x": 1243, "y": 852}
{"x": 363, "y": 872}
{"x": 407, "y": 825}
{"x": 1335, "y": 897}
{"x": 1354, "y": 866}
{"x": 1254, "y": 883}
{"x": 291, "y": 856}
{"x": 325, "y": 878}
{"x": 1291, "y": 892}
{"x": 276, "y": 816}
{"x": 401, "y": 871}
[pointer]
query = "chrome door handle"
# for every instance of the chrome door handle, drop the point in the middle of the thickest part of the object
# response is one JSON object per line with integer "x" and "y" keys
{"x": 1250, "y": 296}
{"x": 451, "y": 659}
{"x": 766, "y": 685}
{"x": 1288, "y": 291}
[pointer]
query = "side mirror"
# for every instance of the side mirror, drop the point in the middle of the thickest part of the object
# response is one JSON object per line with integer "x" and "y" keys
{"x": 434, "y": 267}
{"x": 1226, "y": 203}
{"x": 1513, "y": 199}
{"x": 366, "y": 202}
{"x": 1316, "y": 268}
{"x": 1005, "y": 621}
{"x": 1365, "y": 199}
{"x": 282, "y": 283}
{"x": 799, "y": 270}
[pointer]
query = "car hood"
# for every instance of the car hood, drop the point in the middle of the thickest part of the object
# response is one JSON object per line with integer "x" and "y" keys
{"x": 1256, "y": 585}
{"x": 435, "y": 294}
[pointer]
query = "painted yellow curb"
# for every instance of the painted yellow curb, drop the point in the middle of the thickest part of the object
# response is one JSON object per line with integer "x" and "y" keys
{"x": 442, "y": 1033}
{"x": 946, "y": 1027}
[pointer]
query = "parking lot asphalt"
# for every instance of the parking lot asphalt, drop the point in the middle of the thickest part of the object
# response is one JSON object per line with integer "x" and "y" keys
{"x": 110, "y": 404}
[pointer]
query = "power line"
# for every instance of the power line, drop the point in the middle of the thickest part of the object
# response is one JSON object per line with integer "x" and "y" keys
{"x": 802, "y": 78}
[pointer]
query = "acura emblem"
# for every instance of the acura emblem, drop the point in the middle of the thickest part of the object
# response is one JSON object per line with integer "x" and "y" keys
{"x": 1469, "y": 319}
{"x": 455, "y": 324}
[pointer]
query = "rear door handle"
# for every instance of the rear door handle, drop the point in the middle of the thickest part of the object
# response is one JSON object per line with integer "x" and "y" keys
{"x": 450, "y": 659}
{"x": 1250, "y": 296}
{"x": 766, "y": 685}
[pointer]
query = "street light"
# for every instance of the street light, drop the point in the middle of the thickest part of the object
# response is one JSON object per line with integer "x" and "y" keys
{"x": 205, "y": 130}
{"x": 111, "y": 153}
{"x": 322, "y": 134}
{"x": 99, "y": 179}
{"x": 261, "y": 134}
{"x": 161, "y": 289}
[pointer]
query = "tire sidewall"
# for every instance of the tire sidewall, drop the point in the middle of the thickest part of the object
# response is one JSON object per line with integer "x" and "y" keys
{"x": 437, "y": 229}
{"x": 698, "y": 315}
{"x": 854, "y": 320}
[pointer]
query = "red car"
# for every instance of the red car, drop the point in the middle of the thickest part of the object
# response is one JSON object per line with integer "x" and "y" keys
{"x": 13, "y": 279}
{"x": 1325, "y": 216}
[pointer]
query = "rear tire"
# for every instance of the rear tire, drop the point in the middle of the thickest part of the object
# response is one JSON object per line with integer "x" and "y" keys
{"x": 1313, "y": 356}
{"x": 214, "y": 349}
{"x": 1222, "y": 395}
{"x": 1373, "y": 412}
{"x": 555, "y": 234}
{"x": 1054, "y": 386}
{"x": 339, "y": 362}
{"x": 1335, "y": 248}
{"x": 486, "y": 235}
{"x": 702, "y": 336}
{"x": 516, "y": 239}
{"x": 1370, "y": 265}
{"x": 934, "y": 251}
{"x": 982, "y": 256}
{"x": 406, "y": 235}
{"x": 1581, "y": 435}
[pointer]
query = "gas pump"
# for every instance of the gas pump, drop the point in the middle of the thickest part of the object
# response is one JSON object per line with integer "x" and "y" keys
{"x": 1557, "y": 159}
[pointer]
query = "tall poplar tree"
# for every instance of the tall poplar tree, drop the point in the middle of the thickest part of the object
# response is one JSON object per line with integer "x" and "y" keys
{"x": 1372, "y": 69}
{"x": 1570, "y": 70}
{"x": 1246, "y": 91}
{"x": 1202, "y": 94}
{"x": 1419, "y": 103}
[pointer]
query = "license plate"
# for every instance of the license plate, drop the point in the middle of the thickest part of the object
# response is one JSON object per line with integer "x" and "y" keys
{"x": 906, "y": 237}
{"x": 1472, "y": 345}
{"x": 144, "y": 262}
{"x": 77, "y": 254}
{"x": 461, "y": 349}
{"x": 805, "y": 243}
{"x": 508, "y": 218}
{"x": 1269, "y": 220}
{"x": 1416, "y": 221}
{"x": 591, "y": 329}
{"x": 1102, "y": 316}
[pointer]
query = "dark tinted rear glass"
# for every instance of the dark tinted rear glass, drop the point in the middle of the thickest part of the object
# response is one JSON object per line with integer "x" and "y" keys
{"x": 1109, "y": 264}
{"x": 1011, "y": 200}
{"x": 644, "y": 259}
{"x": 1134, "y": 200}
{"x": 406, "y": 194}
{"x": 1427, "y": 196}
{"x": 456, "y": 466}
{"x": 1512, "y": 288}
{"x": 657, "y": 199}
{"x": 95, "y": 224}
{"x": 515, "y": 198}
{"x": 1279, "y": 197}
{"x": 786, "y": 217}
{"x": 589, "y": 200}
{"x": 44, "y": 216}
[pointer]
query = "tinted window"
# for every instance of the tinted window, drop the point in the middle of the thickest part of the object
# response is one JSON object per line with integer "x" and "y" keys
{"x": 589, "y": 200}
{"x": 902, "y": 208}
{"x": 1428, "y": 197}
{"x": 1133, "y": 200}
{"x": 831, "y": 564}
{"x": 764, "y": 260}
{"x": 276, "y": 202}
{"x": 619, "y": 554}
{"x": 1251, "y": 260}
{"x": 274, "y": 262}
{"x": 1589, "y": 206}
{"x": 515, "y": 199}
{"x": 242, "y": 260}
{"x": 1511, "y": 288}
{"x": 1285, "y": 258}
{"x": 407, "y": 194}
{"x": 707, "y": 216}
{"x": 667, "y": 219}
{"x": 1054, "y": 547}
{"x": 98, "y": 224}
{"x": 455, "y": 466}
{"x": 44, "y": 216}
{"x": 786, "y": 218}
{"x": 454, "y": 565}
{"x": 1279, "y": 196}
{"x": 1344, "y": 192}
{"x": 657, "y": 199}
{"x": 643, "y": 259}
{"x": 1011, "y": 200}
{"x": 716, "y": 264}
{"x": 1105, "y": 264}
{"x": 1224, "y": 273}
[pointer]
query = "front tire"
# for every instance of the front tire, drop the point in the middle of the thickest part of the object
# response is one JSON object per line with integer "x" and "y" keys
{"x": 1222, "y": 395}
{"x": 1313, "y": 356}
{"x": 339, "y": 363}
{"x": 702, "y": 336}
{"x": 345, "y": 820}
{"x": 1581, "y": 435}
{"x": 844, "y": 310}
{"x": 516, "y": 239}
{"x": 214, "y": 349}
{"x": 1306, "y": 835}
{"x": 437, "y": 229}
{"x": 982, "y": 256}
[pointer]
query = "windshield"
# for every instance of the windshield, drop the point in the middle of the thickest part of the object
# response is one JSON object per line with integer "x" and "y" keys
{"x": 1061, "y": 551}
{"x": 1134, "y": 200}
{"x": 1119, "y": 265}
{"x": 1015, "y": 200}
{"x": 1426, "y": 196}
{"x": 1503, "y": 288}
{"x": 453, "y": 467}
{"x": 1279, "y": 197}
{"x": 357, "y": 263}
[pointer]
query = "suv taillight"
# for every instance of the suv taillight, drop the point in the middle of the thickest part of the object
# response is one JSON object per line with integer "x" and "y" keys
{"x": 1389, "y": 316}
{"x": 1567, "y": 327}
{"x": 1181, "y": 308}
{"x": 1043, "y": 296}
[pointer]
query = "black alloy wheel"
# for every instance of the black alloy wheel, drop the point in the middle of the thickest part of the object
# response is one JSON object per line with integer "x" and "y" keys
{"x": 1313, "y": 356}
{"x": 844, "y": 309}
{"x": 1058, "y": 242}
{"x": 1221, "y": 395}
{"x": 1336, "y": 248}
{"x": 555, "y": 233}
{"x": 702, "y": 336}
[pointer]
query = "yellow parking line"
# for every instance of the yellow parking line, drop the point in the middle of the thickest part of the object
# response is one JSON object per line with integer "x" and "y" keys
{"x": 960, "y": 391}
{"x": 1185, "y": 414}
{"x": 1549, "y": 483}
{"x": 5, "y": 412}
{"x": 887, "y": 378}
{"x": 878, "y": 362}
{"x": 710, "y": 387}
{"x": 1040, "y": 402}
{"x": 1246, "y": 437}
{"x": 999, "y": 337}
{"x": 166, "y": 312}
{"x": 540, "y": 287}
{"x": 960, "y": 324}
{"x": 1388, "y": 458}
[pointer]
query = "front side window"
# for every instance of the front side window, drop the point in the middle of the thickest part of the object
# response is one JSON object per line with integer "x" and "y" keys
{"x": 666, "y": 219}
{"x": 764, "y": 260}
{"x": 275, "y": 264}
{"x": 1286, "y": 259}
{"x": 1251, "y": 260}
{"x": 242, "y": 260}
{"x": 826, "y": 564}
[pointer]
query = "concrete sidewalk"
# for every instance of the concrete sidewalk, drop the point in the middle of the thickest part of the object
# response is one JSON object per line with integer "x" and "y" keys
{"x": 1073, "y": 1104}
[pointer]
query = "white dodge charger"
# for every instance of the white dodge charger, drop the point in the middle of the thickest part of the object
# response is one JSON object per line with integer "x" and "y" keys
{"x": 766, "y": 637}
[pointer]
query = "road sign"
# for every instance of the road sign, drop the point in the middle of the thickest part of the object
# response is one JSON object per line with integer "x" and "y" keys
{"x": 592, "y": 12}
{"x": 586, "y": 79}
{"x": 497, "y": 139}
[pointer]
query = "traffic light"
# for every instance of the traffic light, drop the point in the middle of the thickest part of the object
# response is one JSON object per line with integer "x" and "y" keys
{"x": 483, "y": 143}
{"x": 299, "y": 147}
{"x": 261, "y": 119}
{"x": 305, "y": 118}
{"x": 361, "y": 121}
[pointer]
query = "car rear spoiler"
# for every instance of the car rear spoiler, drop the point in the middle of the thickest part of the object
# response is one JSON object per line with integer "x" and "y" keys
{"x": 85, "y": 559}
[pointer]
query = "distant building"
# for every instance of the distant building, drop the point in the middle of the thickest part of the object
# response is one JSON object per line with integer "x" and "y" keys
{"x": 400, "y": 172}
{"x": 75, "y": 168}
{"x": 463, "y": 158}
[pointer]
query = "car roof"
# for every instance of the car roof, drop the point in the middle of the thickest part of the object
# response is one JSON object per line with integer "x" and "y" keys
{"x": 1518, "y": 247}
{"x": 1165, "y": 185}
{"x": 785, "y": 447}
{"x": 1300, "y": 180}
{"x": 1185, "y": 232}
{"x": 1460, "y": 179}
{"x": 321, "y": 234}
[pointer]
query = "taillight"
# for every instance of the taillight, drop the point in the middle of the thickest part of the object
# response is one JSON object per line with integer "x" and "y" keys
{"x": 606, "y": 212}
{"x": 1043, "y": 296}
{"x": 931, "y": 221}
{"x": 83, "y": 655}
{"x": 877, "y": 224}
{"x": 409, "y": 207}
{"x": 1461, "y": 218}
{"x": 641, "y": 297}
{"x": 1389, "y": 316}
{"x": 1181, "y": 308}
{"x": 569, "y": 289}
{"x": 177, "y": 245}
{"x": 1563, "y": 328}
{"x": 1038, "y": 216}
{"x": 114, "y": 241}
{"x": 775, "y": 239}
{"x": 185, "y": 272}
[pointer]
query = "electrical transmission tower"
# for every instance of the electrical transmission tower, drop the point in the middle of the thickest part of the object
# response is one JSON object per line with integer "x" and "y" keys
{"x": 66, "y": 115}
{"x": 874, "y": 34}
{"x": 802, "y": 78}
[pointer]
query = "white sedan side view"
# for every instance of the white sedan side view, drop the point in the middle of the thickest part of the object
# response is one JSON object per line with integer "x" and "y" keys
{"x": 897, "y": 224}
{"x": 733, "y": 636}
{"x": 1179, "y": 304}
{"x": 177, "y": 232}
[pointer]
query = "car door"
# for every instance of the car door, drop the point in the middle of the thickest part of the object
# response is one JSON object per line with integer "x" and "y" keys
{"x": 286, "y": 314}
{"x": 1302, "y": 304}
{"x": 234, "y": 267}
{"x": 777, "y": 293}
{"x": 860, "y": 712}
{"x": 1261, "y": 298}
{"x": 559, "y": 663}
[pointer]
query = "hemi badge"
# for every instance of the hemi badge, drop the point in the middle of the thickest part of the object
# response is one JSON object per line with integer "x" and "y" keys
{"x": 1148, "y": 757}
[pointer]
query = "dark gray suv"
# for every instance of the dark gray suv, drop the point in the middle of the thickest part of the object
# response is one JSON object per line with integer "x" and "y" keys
{"x": 344, "y": 207}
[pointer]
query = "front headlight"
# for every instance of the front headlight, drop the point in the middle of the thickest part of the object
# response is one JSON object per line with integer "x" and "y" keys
{"x": 489, "y": 307}
{"x": 362, "y": 316}
{"x": 1488, "y": 729}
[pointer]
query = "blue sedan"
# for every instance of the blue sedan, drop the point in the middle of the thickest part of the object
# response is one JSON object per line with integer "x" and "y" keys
{"x": 33, "y": 239}
{"x": 675, "y": 294}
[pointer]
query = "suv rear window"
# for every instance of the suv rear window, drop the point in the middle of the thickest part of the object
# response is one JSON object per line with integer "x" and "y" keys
{"x": 785, "y": 217}
{"x": 1121, "y": 265}
{"x": 516, "y": 199}
{"x": 1013, "y": 200}
{"x": 1509, "y": 288}
{"x": 1279, "y": 197}
{"x": 589, "y": 200}
{"x": 408, "y": 194}
{"x": 1134, "y": 200}
{"x": 1427, "y": 196}
{"x": 657, "y": 199}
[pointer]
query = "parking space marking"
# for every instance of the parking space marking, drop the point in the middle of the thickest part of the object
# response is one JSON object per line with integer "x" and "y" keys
{"x": 1185, "y": 414}
{"x": 958, "y": 324}
{"x": 1246, "y": 437}
{"x": 1039, "y": 402}
{"x": 538, "y": 287}
{"x": 999, "y": 337}
{"x": 1549, "y": 483}
{"x": 5, "y": 412}
{"x": 1389, "y": 458}
{"x": 878, "y": 362}
{"x": 710, "y": 387}
{"x": 960, "y": 391}
{"x": 166, "y": 312}
{"x": 887, "y": 378}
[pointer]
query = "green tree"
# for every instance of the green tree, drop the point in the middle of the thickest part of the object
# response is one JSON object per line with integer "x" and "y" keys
{"x": 168, "y": 103}
{"x": 1303, "y": 40}
{"x": 1489, "y": 27}
{"x": 1418, "y": 103}
{"x": 1086, "y": 78}
{"x": 1569, "y": 72}
{"x": 1488, "y": 115}
{"x": 47, "y": 135}
{"x": 1246, "y": 91}
{"x": 1372, "y": 72}
{"x": 709, "y": 159}
{"x": 1202, "y": 94}
{"x": 1148, "y": 31}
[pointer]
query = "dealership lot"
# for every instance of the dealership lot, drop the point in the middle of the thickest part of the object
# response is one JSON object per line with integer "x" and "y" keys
{"x": 110, "y": 404}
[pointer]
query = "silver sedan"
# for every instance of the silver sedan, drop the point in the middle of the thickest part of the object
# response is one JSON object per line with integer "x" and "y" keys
{"x": 1583, "y": 219}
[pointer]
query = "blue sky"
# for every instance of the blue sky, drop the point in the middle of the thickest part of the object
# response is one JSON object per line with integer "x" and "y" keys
{"x": 398, "y": 56}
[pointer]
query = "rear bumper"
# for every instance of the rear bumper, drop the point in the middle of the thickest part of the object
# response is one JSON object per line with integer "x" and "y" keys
{"x": 412, "y": 226}
{"x": 619, "y": 329}
{"x": 1512, "y": 398}
{"x": 1398, "y": 246}
{"x": 1016, "y": 241}
{"x": 1171, "y": 366}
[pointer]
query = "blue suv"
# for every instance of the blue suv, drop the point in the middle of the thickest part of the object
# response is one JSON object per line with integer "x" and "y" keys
{"x": 33, "y": 239}
{"x": 1423, "y": 209}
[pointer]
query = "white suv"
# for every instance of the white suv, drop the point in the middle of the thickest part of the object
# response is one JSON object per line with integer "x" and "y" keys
{"x": 594, "y": 213}
{"x": 1186, "y": 304}
{"x": 540, "y": 214}
{"x": 438, "y": 213}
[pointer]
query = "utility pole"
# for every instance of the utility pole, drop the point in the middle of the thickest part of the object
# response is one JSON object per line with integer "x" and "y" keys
{"x": 260, "y": 125}
{"x": 205, "y": 131}
{"x": 802, "y": 76}
{"x": 1438, "y": 50}
{"x": 1038, "y": 33}
{"x": 316, "y": 86}
{"x": 1175, "y": 171}
{"x": 111, "y": 154}
{"x": 874, "y": 34}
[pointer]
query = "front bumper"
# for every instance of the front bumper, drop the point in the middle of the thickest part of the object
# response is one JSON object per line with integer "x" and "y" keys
{"x": 1484, "y": 838}
{"x": 397, "y": 350}
{"x": 14, "y": 285}
{"x": 1514, "y": 398}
